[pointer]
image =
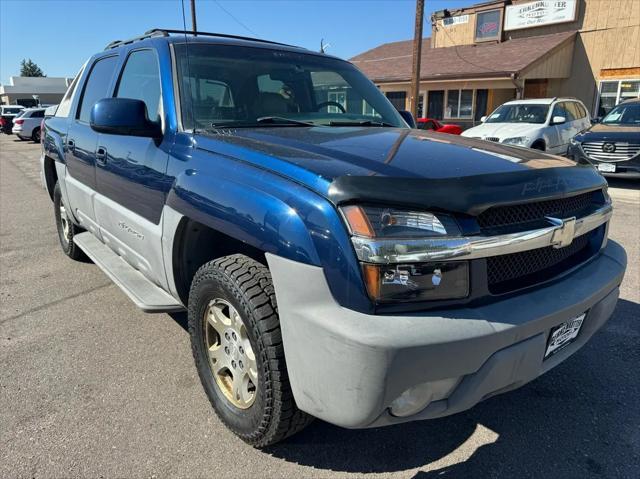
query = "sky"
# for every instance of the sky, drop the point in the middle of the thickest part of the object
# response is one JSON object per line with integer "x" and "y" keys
{"x": 64, "y": 33}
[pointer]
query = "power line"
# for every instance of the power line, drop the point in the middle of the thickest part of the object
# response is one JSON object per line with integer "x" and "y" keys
{"x": 235, "y": 18}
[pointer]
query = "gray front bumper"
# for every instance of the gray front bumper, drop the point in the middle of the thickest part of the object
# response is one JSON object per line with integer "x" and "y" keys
{"x": 347, "y": 367}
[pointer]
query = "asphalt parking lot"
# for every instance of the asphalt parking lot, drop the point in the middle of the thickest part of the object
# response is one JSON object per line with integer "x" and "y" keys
{"x": 91, "y": 386}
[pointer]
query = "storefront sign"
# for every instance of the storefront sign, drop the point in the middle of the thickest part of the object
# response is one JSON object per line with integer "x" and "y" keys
{"x": 539, "y": 13}
{"x": 447, "y": 22}
{"x": 488, "y": 25}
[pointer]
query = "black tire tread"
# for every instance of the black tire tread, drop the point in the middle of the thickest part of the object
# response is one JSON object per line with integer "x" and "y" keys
{"x": 71, "y": 250}
{"x": 251, "y": 284}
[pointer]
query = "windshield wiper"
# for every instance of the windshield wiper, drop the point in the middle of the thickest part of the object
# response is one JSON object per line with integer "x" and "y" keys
{"x": 280, "y": 120}
{"x": 360, "y": 123}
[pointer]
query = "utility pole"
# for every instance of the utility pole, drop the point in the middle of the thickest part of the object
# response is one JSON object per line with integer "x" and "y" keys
{"x": 193, "y": 15}
{"x": 417, "y": 54}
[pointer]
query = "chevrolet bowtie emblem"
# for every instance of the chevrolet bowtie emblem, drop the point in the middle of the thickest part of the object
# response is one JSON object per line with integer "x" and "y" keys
{"x": 563, "y": 232}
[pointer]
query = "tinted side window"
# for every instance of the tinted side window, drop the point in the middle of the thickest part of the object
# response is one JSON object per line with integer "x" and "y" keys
{"x": 572, "y": 109}
{"x": 65, "y": 103}
{"x": 37, "y": 114}
{"x": 581, "y": 110}
{"x": 97, "y": 85}
{"x": 560, "y": 110}
{"x": 140, "y": 80}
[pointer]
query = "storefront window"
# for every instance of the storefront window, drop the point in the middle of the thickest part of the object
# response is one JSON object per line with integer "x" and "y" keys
{"x": 459, "y": 104}
{"x": 613, "y": 92}
{"x": 488, "y": 25}
{"x": 629, "y": 89}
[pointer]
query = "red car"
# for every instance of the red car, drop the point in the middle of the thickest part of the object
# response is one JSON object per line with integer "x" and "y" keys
{"x": 435, "y": 125}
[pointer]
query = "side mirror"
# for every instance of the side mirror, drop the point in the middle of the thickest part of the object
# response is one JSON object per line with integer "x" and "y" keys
{"x": 558, "y": 120}
{"x": 408, "y": 117}
{"x": 595, "y": 120}
{"x": 123, "y": 116}
{"x": 483, "y": 119}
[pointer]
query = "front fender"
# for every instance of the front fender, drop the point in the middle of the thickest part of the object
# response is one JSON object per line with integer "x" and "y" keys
{"x": 268, "y": 212}
{"x": 245, "y": 213}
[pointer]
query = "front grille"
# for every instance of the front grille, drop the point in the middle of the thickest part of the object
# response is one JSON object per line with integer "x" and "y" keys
{"x": 515, "y": 271}
{"x": 510, "y": 216}
{"x": 610, "y": 150}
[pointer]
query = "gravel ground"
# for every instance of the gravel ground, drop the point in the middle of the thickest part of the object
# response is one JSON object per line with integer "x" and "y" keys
{"x": 90, "y": 386}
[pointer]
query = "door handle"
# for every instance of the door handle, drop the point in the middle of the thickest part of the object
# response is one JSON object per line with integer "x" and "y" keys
{"x": 101, "y": 155}
{"x": 71, "y": 144}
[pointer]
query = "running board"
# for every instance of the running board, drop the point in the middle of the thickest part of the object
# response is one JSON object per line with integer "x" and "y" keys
{"x": 144, "y": 293}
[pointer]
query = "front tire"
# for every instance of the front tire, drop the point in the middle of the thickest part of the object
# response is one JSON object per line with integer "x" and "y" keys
{"x": 538, "y": 145}
{"x": 237, "y": 347}
{"x": 66, "y": 228}
{"x": 35, "y": 135}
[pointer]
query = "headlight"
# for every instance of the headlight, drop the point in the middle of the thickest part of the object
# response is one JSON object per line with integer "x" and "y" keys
{"x": 415, "y": 281}
{"x": 516, "y": 140}
{"x": 378, "y": 222}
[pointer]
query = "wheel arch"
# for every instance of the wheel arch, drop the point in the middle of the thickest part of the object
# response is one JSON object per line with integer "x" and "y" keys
{"x": 195, "y": 244}
{"x": 50, "y": 175}
{"x": 540, "y": 142}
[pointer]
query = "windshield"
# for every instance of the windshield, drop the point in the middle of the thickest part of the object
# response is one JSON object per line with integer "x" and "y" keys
{"x": 235, "y": 86}
{"x": 11, "y": 111}
{"x": 625, "y": 114}
{"x": 519, "y": 113}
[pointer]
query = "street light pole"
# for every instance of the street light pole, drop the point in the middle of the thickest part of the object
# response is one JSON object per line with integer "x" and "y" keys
{"x": 193, "y": 16}
{"x": 417, "y": 54}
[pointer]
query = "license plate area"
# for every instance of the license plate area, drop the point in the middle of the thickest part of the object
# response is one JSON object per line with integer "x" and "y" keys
{"x": 607, "y": 167}
{"x": 563, "y": 335}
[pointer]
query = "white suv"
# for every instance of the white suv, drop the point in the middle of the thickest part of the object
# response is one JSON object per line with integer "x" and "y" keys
{"x": 546, "y": 124}
{"x": 27, "y": 124}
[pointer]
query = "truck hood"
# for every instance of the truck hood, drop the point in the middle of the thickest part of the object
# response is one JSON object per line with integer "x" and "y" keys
{"x": 405, "y": 166}
{"x": 502, "y": 130}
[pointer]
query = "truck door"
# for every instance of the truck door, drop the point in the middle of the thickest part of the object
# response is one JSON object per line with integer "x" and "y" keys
{"x": 130, "y": 174}
{"x": 80, "y": 148}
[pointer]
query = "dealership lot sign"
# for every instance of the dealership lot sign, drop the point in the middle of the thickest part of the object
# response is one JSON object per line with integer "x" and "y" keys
{"x": 539, "y": 13}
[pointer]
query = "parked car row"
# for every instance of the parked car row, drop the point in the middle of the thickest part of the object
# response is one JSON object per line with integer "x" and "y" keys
{"x": 25, "y": 123}
{"x": 563, "y": 126}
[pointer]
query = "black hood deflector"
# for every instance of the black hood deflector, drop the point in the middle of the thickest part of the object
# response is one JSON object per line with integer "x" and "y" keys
{"x": 470, "y": 195}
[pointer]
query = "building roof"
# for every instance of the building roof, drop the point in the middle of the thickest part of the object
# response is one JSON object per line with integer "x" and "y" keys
{"x": 392, "y": 61}
{"x": 35, "y": 85}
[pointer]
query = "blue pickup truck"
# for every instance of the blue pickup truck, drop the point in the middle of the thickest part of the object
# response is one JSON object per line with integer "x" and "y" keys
{"x": 334, "y": 262}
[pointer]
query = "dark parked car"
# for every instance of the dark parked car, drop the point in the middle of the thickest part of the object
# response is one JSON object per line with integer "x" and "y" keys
{"x": 613, "y": 144}
{"x": 7, "y": 114}
{"x": 334, "y": 263}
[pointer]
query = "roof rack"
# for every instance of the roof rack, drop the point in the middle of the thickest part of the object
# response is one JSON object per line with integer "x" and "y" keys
{"x": 160, "y": 32}
{"x": 149, "y": 34}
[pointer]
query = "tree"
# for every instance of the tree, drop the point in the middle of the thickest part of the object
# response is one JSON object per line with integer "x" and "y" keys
{"x": 30, "y": 69}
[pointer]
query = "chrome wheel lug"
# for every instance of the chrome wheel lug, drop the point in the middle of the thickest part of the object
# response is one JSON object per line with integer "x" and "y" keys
{"x": 234, "y": 336}
{"x": 226, "y": 335}
{"x": 241, "y": 349}
{"x": 226, "y": 350}
{"x": 241, "y": 365}
{"x": 233, "y": 364}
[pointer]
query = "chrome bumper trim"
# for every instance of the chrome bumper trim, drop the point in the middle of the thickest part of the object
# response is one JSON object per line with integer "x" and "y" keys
{"x": 559, "y": 234}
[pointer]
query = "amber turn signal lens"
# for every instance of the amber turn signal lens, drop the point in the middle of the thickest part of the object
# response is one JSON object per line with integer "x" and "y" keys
{"x": 372, "y": 280}
{"x": 358, "y": 221}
